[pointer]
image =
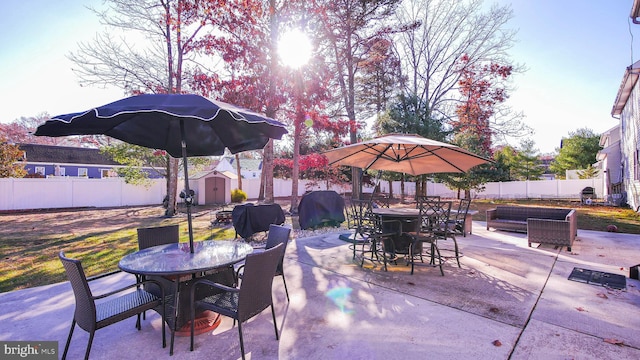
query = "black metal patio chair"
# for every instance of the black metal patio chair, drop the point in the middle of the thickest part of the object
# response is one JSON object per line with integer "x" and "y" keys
{"x": 433, "y": 225}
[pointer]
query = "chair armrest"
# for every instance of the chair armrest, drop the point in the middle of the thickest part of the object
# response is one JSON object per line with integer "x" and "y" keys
{"x": 102, "y": 296}
{"x": 100, "y": 276}
{"x": 492, "y": 214}
{"x": 212, "y": 284}
{"x": 238, "y": 273}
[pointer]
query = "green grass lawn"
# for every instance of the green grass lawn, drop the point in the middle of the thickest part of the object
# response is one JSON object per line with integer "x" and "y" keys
{"x": 30, "y": 242}
{"x": 590, "y": 217}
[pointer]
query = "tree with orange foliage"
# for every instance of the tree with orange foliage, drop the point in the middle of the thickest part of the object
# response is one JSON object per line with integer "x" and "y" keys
{"x": 482, "y": 87}
{"x": 10, "y": 155}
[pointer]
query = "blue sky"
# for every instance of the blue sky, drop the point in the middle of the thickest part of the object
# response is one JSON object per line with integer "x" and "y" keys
{"x": 576, "y": 52}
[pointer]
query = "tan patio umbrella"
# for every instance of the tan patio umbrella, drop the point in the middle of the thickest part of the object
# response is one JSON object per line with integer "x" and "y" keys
{"x": 405, "y": 153}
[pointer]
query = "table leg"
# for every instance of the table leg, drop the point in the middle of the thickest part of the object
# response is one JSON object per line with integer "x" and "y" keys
{"x": 467, "y": 224}
{"x": 176, "y": 296}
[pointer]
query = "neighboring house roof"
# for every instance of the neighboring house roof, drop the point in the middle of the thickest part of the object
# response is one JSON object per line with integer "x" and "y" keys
{"x": 610, "y": 136}
{"x": 206, "y": 173}
{"x": 247, "y": 164}
{"x": 63, "y": 154}
{"x": 628, "y": 82}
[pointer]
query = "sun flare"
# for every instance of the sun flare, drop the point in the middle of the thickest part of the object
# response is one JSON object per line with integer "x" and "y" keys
{"x": 294, "y": 48}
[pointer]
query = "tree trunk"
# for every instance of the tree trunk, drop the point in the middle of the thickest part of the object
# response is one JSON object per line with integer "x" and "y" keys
{"x": 172, "y": 186}
{"x": 267, "y": 171}
{"x": 263, "y": 175}
{"x": 239, "y": 172}
{"x": 297, "y": 134}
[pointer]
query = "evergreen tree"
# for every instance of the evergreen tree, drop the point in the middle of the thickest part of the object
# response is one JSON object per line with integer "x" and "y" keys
{"x": 577, "y": 152}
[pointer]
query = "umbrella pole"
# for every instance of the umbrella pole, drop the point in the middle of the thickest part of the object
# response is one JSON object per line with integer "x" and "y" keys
{"x": 187, "y": 195}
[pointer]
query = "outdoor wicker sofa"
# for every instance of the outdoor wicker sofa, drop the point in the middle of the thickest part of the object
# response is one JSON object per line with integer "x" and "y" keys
{"x": 554, "y": 226}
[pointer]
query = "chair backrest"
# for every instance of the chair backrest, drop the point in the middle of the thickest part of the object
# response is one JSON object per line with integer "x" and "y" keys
{"x": 421, "y": 198}
{"x": 434, "y": 215}
{"x": 278, "y": 234}
{"x": 161, "y": 235}
{"x": 463, "y": 209}
{"x": 363, "y": 216}
{"x": 377, "y": 199}
{"x": 85, "y": 312}
{"x": 257, "y": 279}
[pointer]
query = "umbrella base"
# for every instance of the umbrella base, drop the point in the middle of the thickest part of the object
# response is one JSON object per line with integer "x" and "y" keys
{"x": 206, "y": 321}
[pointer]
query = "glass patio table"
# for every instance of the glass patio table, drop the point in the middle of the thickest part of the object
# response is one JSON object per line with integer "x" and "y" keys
{"x": 177, "y": 268}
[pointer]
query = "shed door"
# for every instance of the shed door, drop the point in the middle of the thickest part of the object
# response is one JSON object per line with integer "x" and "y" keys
{"x": 215, "y": 190}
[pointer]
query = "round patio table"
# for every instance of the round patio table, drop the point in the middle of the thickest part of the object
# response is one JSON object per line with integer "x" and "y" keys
{"x": 175, "y": 266}
{"x": 176, "y": 259}
{"x": 409, "y": 218}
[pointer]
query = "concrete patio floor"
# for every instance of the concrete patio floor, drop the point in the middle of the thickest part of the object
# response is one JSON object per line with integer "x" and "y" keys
{"x": 507, "y": 301}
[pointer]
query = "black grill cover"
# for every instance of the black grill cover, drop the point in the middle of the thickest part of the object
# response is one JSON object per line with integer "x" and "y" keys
{"x": 249, "y": 219}
{"x": 319, "y": 208}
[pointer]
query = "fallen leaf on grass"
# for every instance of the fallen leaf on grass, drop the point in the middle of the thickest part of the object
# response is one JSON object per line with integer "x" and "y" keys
{"x": 601, "y": 255}
{"x": 410, "y": 283}
{"x": 601, "y": 295}
{"x": 496, "y": 343}
{"x": 614, "y": 341}
{"x": 580, "y": 308}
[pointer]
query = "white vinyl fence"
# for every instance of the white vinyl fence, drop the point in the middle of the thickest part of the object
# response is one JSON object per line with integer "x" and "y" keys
{"x": 71, "y": 192}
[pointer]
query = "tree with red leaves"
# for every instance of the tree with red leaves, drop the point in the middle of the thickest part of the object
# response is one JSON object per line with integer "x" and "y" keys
{"x": 156, "y": 54}
{"x": 247, "y": 44}
{"x": 347, "y": 27}
{"x": 482, "y": 89}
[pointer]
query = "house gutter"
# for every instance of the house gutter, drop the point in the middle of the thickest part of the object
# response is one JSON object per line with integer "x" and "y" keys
{"x": 635, "y": 12}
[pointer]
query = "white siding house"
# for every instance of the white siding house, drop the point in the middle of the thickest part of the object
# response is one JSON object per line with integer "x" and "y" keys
{"x": 610, "y": 163}
{"x": 627, "y": 109}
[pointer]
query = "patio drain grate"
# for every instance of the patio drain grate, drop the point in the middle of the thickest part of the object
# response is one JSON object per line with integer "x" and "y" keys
{"x": 613, "y": 281}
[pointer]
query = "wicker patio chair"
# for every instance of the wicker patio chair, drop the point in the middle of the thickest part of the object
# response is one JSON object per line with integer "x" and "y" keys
{"x": 249, "y": 299}
{"x": 154, "y": 236}
{"x": 278, "y": 234}
{"x": 161, "y": 235}
{"x": 91, "y": 316}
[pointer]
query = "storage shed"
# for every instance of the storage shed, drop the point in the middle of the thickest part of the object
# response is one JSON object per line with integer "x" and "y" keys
{"x": 212, "y": 187}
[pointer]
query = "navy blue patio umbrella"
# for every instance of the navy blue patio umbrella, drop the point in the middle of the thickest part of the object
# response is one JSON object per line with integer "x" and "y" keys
{"x": 182, "y": 124}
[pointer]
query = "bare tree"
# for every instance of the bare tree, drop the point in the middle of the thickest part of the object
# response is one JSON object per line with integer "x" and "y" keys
{"x": 448, "y": 31}
{"x": 146, "y": 48}
{"x": 348, "y": 26}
